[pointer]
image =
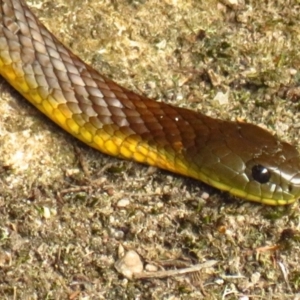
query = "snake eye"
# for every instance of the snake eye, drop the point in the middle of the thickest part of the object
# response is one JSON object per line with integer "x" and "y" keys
{"x": 261, "y": 174}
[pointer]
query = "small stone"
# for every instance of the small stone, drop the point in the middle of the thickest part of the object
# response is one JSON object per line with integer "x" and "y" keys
{"x": 222, "y": 98}
{"x": 215, "y": 79}
{"x": 72, "y": 172}
{"x": 204, "y": 196}
{"x": 151, "y": 268}
{"x": 121, "y": 251}
{"x": 46, "y": 212}
{"x": 5, "y": 258}
{"x": 129, "y": 264}
{"x": 255, "y": 277}
{"x": 123, "y": 202}
{"x": 293, "y": 71}
{"x": 233, "y": 2}
{"x": 219, "y": 281}
{"x": 117, "y": 234}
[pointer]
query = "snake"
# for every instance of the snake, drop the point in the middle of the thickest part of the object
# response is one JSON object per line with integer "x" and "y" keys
{"x": 237, "y": 157}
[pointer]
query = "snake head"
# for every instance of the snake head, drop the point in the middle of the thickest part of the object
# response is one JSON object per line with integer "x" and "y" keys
{"x": 249, "y": 162}
{"x": 275, "y": 174}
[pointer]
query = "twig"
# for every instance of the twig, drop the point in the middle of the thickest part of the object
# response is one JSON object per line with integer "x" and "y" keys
{"x": 162, "y": 274}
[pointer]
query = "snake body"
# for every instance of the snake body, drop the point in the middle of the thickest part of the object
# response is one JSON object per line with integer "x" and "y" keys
{"x": 240, "y": 158}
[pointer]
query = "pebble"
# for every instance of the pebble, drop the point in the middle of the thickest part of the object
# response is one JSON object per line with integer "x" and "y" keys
{"x": 151, "y": 268}
{"x": 222, "y": 98}
{"x": 117, "y": 234}
{"x": 129, "y": 264}
{"x": 46, "y": 212}
{"x": 123, "y": 202}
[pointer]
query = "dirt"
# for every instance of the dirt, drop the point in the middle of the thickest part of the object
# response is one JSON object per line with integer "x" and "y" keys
{"x": 61, "y": 222}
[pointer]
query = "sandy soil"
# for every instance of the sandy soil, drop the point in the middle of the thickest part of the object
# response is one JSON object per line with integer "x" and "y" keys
{"x": 67, "y": 211}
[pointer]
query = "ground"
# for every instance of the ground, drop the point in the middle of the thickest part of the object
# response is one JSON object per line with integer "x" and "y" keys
{"x": 67, "y": 211}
